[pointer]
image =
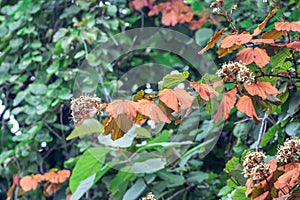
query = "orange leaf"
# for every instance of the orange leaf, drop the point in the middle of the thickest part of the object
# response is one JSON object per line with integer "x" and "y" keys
{"x": 205, "y": 90}
{"x": 294, "y": 45}
{"x": 265, "y": 41}
{"x": 245, "y": 105}
{"x": 235, "y": 39}
{"x": 197, "y": 24}
{"x": 151, "y": 110}
{"x": 139, "y": 4}
{"x": 51, "y": 188}
{"x": 10, "y": 191}
{"x": 257, "y": 55}
{"x": 118, "y": 126}
{"x": 57, "y": 177}
{"x": 118, "y": 107}
{"x": 28, "y": 183}
{"x": 262, "y": 25}
{"x": 168, "y": 97}
{"x": 175, "y": 98}
{"x": 212, "y": 42}
{"x": 226, "y": 105}
{"x": 289, "y": 178}
{"x": 261, "y": 89}
{"x": 263, "y": 196}
{"x": 273, "y": 34}
{"x": 185, "y": 99}
{"x": 287, "y": 26}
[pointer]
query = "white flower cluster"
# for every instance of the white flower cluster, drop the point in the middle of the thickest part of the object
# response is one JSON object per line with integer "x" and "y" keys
{"x": 255, "y": 166}
{"x": 289, "y": 150}
{"x": 150, "y": 196}
{"x": 236, "y": 70}
{"x": 85, "y": 107}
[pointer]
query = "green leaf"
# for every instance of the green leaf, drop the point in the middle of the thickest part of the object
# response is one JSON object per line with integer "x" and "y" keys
{"x": 149, "y": 166}
{"x": 5, "y": 154}
{"x": 172, "y": 179}
{"x": 240, "y": 194}
{"x": 89, "y": 163}
{"x": 119, "y": 184}
{"x": 233, "y": 164}
{"x": 88, "y": 126}
{"x": 279, "y": 58}
{"x": 20, "y": 96}
{"x": 203, "y": 35}
{"x": 135, "y": 191}
{"x": 269, "y": 135}
{"x": 172, "y": 80}
{"x": 79, "y": 54}
{"x": 83, "y": 187}
{"x": 38, "y": 88}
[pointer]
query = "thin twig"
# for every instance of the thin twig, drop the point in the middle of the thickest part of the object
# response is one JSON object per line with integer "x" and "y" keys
{"x": 262, "y": 129}
{"x": 181, "y": 191}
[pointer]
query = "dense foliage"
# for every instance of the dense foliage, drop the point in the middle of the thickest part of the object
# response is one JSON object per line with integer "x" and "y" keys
{"x": 163, "y": 120}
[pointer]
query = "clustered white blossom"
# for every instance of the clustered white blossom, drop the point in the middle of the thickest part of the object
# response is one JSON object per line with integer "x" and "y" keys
{"x": 236, "y": 70}
{"x": 150, "y": 196}
{"x": 255, "y": 166}
{"x": 85, "y": 107}
{"x": 289, "y": 150}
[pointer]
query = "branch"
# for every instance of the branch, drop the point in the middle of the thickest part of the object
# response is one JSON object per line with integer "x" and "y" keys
{"x": 176, "y": 194}
{"x": 262, "y": 129}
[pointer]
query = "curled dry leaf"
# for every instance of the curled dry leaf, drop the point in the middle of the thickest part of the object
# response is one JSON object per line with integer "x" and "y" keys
{"x": 261, "y": 89}
{"x": 205, "y": 90}
{"x": 118, "y": 127}
{"x": 223, "y": 52}
{"x": 51, "y": 188}
{"x": 235, "y": 39}
{"x": 257, "y": 55}
{"x": 226, "y": 105}
{"x": 262, "y": 25}
{"x": 28, "y": 183}
{"x": 212, "y": 42}
{"x": 245, "y": 105}
{"x": 151, "y": 110}
{"x": 176, "y": 98}
{"x": 57, "y": 177}
{"x": 118, "y": 107}
{"x": 273, "y": 34}
{"x": 294, "y": 45}
{"x": 287, "y": 26}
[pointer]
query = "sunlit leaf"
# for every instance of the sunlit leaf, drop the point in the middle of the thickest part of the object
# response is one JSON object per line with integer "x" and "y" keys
{"x": 151, "y": 110}
{"x": 118, "y": 126}
{"x": 287, "y": 26}
{"x": 205, "y": 90}
{"x": 257, "y": 55}
{"x": 118, "y": 107}
{"x": 235, "y": 39}
{"x": 28, "y": 183}
{"x": 245, "y": 105}
{"x": 260, "y": 89}
{"x": 57, "y": 176}
{"x": 294, "y": 45}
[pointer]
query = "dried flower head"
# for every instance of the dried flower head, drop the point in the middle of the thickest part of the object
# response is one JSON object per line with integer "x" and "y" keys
{"x": 85, "y": 107}
{"x": 150, "y": 196}
{"x": 289, "y": 151}
{"x": 236, "y": 71}
{"x": 255, "y": 166}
